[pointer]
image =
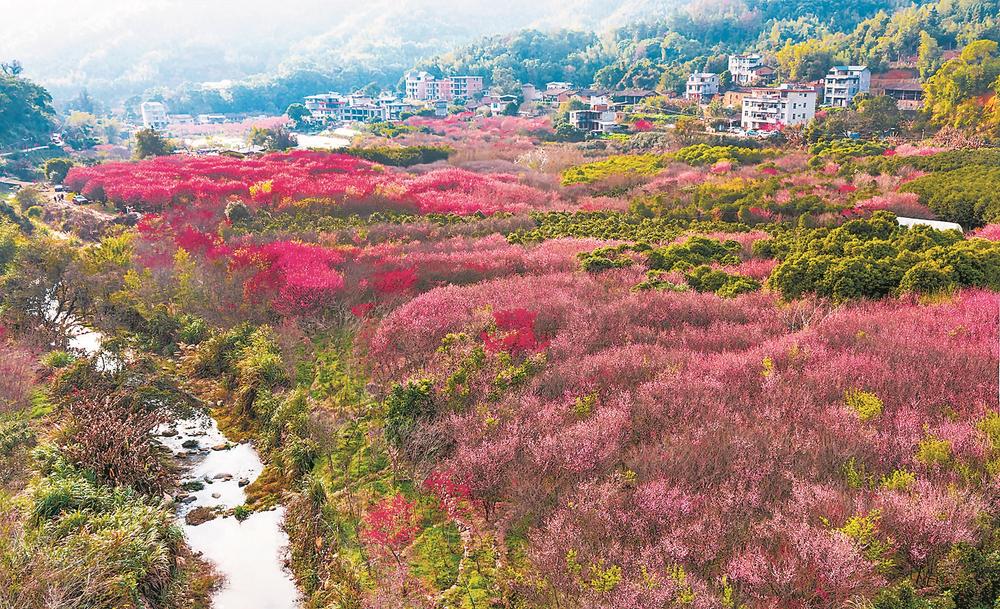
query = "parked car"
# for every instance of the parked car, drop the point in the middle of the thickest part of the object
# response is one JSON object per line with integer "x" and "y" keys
{"x": 80, "y": 200}
{"x": 59, "y": 188}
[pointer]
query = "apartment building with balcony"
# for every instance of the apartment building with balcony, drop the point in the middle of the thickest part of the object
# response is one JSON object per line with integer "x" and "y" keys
{"x": 334, "y": 107}
{"x": 599, "y": 118}
{"x": 422, "y": 86}
{"x": 742, "y": 66}
{"x": 702, "y": 86}
{"x": 326, "y": 106}
{"x": 842, "y": 83}
{"x": 784, "y": 106}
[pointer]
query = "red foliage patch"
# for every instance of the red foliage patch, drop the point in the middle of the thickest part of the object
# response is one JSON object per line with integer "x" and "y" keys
{"x": 390, "y": 524}
{"x": 516, "y": 332}
{"x": 296, "y": 277}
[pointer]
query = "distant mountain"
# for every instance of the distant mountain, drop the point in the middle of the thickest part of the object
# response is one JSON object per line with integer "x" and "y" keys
{"x": 118, "y": 48}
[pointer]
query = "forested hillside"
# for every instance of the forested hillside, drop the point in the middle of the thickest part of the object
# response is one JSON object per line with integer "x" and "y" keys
{"x": 803, "y": 39}
{"x": 26, "y": 113}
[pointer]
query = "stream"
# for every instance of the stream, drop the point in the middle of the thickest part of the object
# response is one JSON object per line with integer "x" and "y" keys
{"x": 249, "y": 555}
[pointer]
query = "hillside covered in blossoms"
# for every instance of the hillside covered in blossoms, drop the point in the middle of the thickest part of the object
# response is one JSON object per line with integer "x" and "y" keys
{"x": 524, "y": 374}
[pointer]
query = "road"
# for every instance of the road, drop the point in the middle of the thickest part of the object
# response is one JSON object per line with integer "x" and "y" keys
{"x": 26, "y": 150}
{"x": 14, "y": 182}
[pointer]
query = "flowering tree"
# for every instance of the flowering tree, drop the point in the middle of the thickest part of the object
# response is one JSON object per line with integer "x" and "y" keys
{"x": 389, "y": 526}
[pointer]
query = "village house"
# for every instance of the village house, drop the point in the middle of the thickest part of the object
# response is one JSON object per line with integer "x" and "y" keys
{"x": 734, "y": 98}
{"x": 901, "y": 84}
{"x": 530, "y": 93}
{"x": 326, "y": 106}
{"x": 181, "y": 119}
{"x": 702, "y": 86}
{"x": 499, "y": 103}
{"x": 596, "y": 120}
{"x": 154, "y": 115}
{"x": 842, "y": 83}
{"x": 334, "y": 107}
{"x": 631, "y": 97}
{"x": 741, "y": 67}
{"x": 212, "y": 119}
{"x": 762, "y": 75}
{"x": 784, "y": 106}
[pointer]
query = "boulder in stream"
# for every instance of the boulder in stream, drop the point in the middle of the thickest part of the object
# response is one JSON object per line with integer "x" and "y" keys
{"x": 199, "y": 515}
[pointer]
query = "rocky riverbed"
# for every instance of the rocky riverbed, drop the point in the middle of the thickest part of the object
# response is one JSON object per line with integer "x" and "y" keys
{"x": 251, "y": 554}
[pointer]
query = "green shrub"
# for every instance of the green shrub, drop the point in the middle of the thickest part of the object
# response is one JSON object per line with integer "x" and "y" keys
{"x": 237, "y": 212}
{"x": 840, "y": 150}
{"x": 876, "y": 257}
{"x": 899, "y": 480}
{"x": 406, "y": 406}
{"x": 933, "y": 451}
{"x": 705, "y": 154}
{"x": 242, "y": 512}
{"x": 695, "y": 251}
{"x": 401, "y": 156}
{"x": 193, "y": 330}
{"x": 655, "y": 281}
{"x": 948, "y": 160}
{"x": 259, "y": 367}
{"x": 622, "y": 164}
{"x": 14, "y": 432}
{"x": 217, "y": 355}
{"x": 299, "y": 456}
{"x": 966, "y": 195}
{"x": 900, "y": 596}
{"x": 865, "y": 404}
{"x": 603, "y": 259}
{"x": 113, "y": 549}
{"x": 55, "y": 170}
{"x": 927, "y": 277}
{"x": 864, "y": 533}
{"x": 436, "y": 556}
{"x": 58, "y": 359}
{"x": 706, "y": 279}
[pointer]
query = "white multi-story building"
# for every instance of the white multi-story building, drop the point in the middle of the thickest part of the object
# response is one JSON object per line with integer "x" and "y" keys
{"x": 702, "y": 86}
{"x": 335, "y": 107}
{"x": 785, "y": 106}
{"x": 741, "y": 67}
{"x": 424, "y": 87}
{"x": 364, "y": 112}
{"x": 154, "y": 115}
{"x": 844, "y": 82}
{"x": 326, "y": 106}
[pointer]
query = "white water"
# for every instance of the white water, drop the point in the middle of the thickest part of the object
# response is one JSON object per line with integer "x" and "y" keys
{"x": 250, "y": 555}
